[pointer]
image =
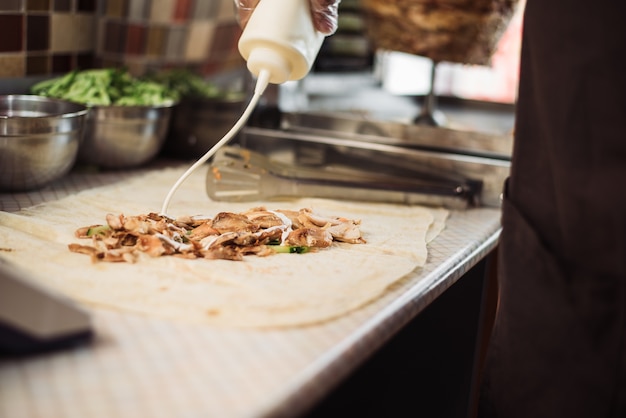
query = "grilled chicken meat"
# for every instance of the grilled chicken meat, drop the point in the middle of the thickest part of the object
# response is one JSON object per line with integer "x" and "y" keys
{"x": 228, "y": 236}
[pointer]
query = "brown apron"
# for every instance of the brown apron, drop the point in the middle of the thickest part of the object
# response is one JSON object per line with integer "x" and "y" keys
{"x": 558, "y": 347}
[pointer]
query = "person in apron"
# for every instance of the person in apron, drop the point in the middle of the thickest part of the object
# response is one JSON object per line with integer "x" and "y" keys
{"x": 558, "y": 347}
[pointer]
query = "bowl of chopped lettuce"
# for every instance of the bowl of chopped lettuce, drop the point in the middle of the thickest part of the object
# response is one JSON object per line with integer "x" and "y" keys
{"x": 128, "y": 118}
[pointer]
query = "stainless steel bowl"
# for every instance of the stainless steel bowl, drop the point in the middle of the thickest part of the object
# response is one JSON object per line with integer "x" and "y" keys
{"x": 199, "y": 123}
{"x": 39, "y": 140}
{"x": 123, "y": 136}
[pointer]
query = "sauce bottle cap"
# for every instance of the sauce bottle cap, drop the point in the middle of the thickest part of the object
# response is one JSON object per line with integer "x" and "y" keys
{"x": 270, "y": 59}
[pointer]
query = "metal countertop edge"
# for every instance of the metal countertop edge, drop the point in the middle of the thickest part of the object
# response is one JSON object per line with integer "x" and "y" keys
{"x": 322, "y": 376}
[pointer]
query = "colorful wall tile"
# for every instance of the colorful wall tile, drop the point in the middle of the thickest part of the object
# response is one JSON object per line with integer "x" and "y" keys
{"x": 86, "y": 6}
{"x": 11, "y": 5}
{"x": 162, "y": 11}
{"x": 114, "y": 8}
{"x": 12, "y": 27}
{"x": 199, "y": 39}
{"x": 12, "y": 65}
{"x": 138, "y": 9}
{"x": 37, "y": 32}
{"x": 146, "y": 35}
{"x": 38, "y": 5}
{"x": 62, "y": 5}
{"x": 39, "y": 37}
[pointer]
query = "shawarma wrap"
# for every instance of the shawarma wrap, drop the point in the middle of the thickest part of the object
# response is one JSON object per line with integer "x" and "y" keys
{"x": 272, "y": 291}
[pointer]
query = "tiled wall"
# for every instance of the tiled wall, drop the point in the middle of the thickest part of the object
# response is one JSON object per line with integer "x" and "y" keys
{"x": 39, "y": 37}
{"x": 45, "y": 36}
{"x": 143, "y": 34}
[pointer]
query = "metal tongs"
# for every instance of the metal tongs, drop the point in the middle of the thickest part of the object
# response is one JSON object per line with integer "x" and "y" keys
{"x": 238, "y": 174}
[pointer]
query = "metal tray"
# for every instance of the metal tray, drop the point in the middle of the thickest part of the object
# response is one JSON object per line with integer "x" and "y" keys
{"x": 308, "y": 149}
{"x": 491, "y": 145}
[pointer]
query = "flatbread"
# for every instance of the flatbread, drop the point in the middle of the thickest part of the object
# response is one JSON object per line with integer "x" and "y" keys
{"x": 278, "y": 290}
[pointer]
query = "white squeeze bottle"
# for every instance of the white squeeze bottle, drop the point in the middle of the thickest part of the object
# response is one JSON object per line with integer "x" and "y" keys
{"x": 279, "y": 44}
{"x": 280, "y": 38}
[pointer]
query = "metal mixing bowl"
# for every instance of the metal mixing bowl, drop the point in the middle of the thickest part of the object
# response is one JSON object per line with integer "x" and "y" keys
{"x": 199, "y": 123}
{"x": 39, "y": 140}
{"x": 123, "y": 136}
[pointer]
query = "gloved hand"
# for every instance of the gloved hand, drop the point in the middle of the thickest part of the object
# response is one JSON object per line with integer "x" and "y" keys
{"x": 323, "y": 12}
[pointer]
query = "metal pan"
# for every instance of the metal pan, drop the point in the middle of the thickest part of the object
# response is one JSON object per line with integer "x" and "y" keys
{"x": 311, "y": 150}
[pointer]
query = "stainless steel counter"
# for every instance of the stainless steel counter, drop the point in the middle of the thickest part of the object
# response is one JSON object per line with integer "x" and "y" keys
{"x": 139, "y": 366}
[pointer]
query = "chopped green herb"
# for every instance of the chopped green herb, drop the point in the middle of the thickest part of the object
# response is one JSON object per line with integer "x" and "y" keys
{"x": 98, "y": 230}
{"x": 104, "y": 87}
{"x": 290, "y": 249}
{"x": 186, "y": 84}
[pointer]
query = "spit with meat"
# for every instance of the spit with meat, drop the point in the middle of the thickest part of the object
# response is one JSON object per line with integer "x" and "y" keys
{"x": 460, "y": 31}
